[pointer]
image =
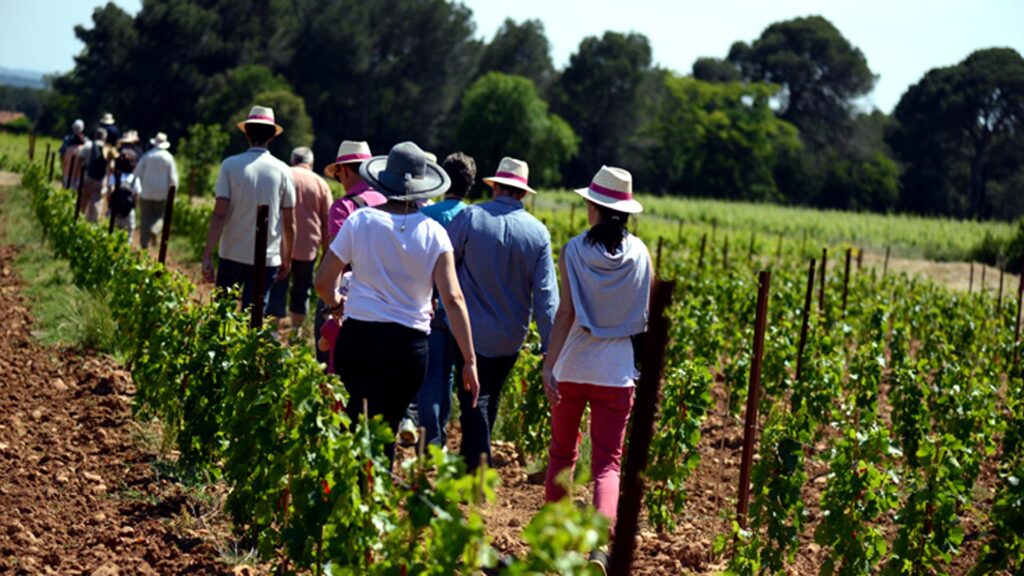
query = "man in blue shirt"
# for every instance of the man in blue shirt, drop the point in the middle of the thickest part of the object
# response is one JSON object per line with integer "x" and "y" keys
{"x": 503, "y": 261}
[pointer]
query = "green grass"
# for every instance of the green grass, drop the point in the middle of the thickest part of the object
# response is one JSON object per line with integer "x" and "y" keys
{"x": 14, "y": 149}
{"x": 64, "y": 314}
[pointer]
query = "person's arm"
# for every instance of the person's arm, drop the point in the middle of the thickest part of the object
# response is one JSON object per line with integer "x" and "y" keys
{"x": 287, "y": 241}
{"x": 172, "y": 175}
{"x": 458, "y": 317}
{"x": 326, "y": 283}
{"x": 564, "y": 318}
{"x": 545, "y": 295}
{"x": 220, "y": 216}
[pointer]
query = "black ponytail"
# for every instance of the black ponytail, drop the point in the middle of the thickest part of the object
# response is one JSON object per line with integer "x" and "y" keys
{"x": 610, "y": 231}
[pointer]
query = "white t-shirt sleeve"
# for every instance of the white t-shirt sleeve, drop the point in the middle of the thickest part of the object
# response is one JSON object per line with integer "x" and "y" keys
{"x": 342, "y": 243}
{"x": 288, "y": 191}
{"x": 223, "y": 188}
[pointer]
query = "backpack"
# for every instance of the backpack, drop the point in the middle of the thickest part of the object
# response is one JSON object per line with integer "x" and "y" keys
{"x": 122, "y": 200}
{"x": 97, "y": 166}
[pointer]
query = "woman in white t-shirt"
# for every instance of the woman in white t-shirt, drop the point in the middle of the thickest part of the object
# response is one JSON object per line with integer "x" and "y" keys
{"x": 397, "y": 256}
{"x": 606, "y": 282}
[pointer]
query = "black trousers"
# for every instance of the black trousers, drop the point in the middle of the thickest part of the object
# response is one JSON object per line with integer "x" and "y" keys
{"x": 382, "y": 363}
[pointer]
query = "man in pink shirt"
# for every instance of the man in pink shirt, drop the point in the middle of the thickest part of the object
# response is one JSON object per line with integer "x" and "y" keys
{"x": 312, "y": 204}
{"x": 358, "y": 194}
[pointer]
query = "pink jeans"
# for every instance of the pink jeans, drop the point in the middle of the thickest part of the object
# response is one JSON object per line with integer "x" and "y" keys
{"x": 609, "y": 414}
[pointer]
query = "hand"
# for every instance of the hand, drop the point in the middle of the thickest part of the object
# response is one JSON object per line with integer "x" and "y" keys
{"x": 284, "y": 269}
{"x": 470, "y": 381}
{"x": 551, "y": 387}
{"x": 208, "y": 274}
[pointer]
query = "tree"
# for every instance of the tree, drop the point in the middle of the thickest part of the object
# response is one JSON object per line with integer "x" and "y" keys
{"x": 715, "y": 70}
{"x": 200, "y": 151}
{"x": 503, "y": 116}
{"x": 716, "y": 140}
{"x": 238, "y": 88}
{"x": 819, "y": 72}
{"x": 598, "y": 96}
{"x": 960, "y": 131}
{"x": 522, "y": 50}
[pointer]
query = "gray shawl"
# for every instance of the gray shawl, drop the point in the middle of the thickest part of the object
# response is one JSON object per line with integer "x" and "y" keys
{"x": 609, "y": 291}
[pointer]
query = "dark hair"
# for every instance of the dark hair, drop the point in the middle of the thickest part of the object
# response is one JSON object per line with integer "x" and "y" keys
{"x": 610, "y": 231}
{"x": 126, "y": 161}
{"x": 461, "y": 168}
{"x": 260, "y": 133}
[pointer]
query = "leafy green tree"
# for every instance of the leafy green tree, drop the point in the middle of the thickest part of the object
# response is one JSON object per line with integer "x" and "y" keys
{"x": 871, "y": 183}
{"x": 238, "y": 88}
{"x": 961, "y": 130}
{"x": 522, "y": 50}
{"x": 716, "y": 140}
{"x": 715, "y": 70}
{"x": 200, "y": 151}
{"x": 819, "y": 71}
{"x": 598, "y": 96}
{"x": 503, "y": 116}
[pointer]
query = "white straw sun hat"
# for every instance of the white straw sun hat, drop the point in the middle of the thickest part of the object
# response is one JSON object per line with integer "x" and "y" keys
{"x": 512, "y": 172}
{"x": 261, "y": 115}
{"x": 612, "y": 188}
{"x": 350, "y": 152}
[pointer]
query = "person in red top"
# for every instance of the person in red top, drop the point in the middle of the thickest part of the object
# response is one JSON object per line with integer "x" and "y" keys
{"x": 312, "y": 202}
{"x": 358, "y": 194}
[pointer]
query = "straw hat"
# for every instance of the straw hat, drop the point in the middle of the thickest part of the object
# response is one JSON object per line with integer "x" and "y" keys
{"x": 130, "y": 137}
{"x": 350, "y": 152}
{"x": 511, "y": 172}
{"x": 261, "y": 115}
{"x": 612, "y": 188}
{"x": 107, "y": 119}
{"x": 160, "y": 141}
{"x": 405, "y": 174}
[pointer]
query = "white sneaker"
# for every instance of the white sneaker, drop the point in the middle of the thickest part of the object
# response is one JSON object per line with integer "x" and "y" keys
{"x": 407, "y": 434}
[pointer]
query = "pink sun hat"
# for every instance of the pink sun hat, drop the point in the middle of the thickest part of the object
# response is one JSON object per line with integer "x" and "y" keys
{"x": 261, "y": 115}
{"x": 612, "y": 188}
{"x": 350, "y": 152}
{"x": 512, "y": 172}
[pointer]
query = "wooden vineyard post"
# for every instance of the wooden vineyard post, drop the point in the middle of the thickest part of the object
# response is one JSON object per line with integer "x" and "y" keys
{"x": 46, "y": 158}
{"x": 753, "y": 392}
{"x": 885, "y": 267}
{"x": 821, "y": 289}
{"x": 110, "y": 213}
{"x": 165, "y": 234}
{"x": 31, "y": 146}
{"x": 1016, "y": 328}
{"x": 778, "y": 251}
{"x": 999, "y": 301}
{"x": 750, "y": 250}
{"x": 860, "y": 259}
{"x": 53, "y": 162}
{"x": 846, "y": 280}
{"x": 703, "y": 245}
{"x": 805, "y": 321}
{"x": 259, "y": 268}
{"x": 725, "y": 254}
{"x": 638, "y": 449}
{"x": 191, "y": 184}
{"x": 982, "y": 287}
{"x": 657, "y": 260}
{"x": 970, "y": 280}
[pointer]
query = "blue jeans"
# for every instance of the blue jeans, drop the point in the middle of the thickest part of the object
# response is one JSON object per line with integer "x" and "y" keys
{"x": 477, "y": 423}
{"x": 301, "y": 280}
{"x": 434, "y": 402}
{"x": 231, "y": 273}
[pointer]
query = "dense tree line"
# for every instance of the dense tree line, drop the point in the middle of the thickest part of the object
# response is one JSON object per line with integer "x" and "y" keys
{"x": 777, "y": 119}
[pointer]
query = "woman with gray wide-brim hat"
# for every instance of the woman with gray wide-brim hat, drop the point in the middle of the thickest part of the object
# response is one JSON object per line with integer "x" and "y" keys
{"x": 397, "y": 256}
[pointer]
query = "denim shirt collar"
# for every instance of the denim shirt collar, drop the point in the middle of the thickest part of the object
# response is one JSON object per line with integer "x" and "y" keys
{"x": 509, "y": 201}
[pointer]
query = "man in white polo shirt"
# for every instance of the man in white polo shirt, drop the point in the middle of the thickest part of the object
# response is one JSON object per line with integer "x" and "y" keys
{"x": 246, "y": 181}
{"x": 155, "y": 174}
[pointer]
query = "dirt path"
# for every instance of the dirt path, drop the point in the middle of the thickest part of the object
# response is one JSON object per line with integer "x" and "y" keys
{"x": 80, "y": 491}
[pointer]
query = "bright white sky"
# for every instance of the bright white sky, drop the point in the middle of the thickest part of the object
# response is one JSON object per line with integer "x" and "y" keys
{"x": 902, "y": 39}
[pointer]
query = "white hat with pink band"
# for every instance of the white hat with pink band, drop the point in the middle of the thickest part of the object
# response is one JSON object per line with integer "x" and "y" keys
{"x": 350, "y": 152}
{"x": 512, "y": 172}
{"x": 261, "y": 115}
{"x": 612, "y": 188}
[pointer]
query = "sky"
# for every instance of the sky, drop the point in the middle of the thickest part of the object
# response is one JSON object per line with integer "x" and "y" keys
{"x": 902, "y": 39}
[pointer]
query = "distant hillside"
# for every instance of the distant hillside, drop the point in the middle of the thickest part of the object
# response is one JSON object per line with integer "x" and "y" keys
{"x": 21, "y": 78}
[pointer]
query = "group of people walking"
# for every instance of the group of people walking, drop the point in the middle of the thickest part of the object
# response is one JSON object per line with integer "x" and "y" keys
{"x": 421, "y": 292}
{"x": 115, "y": 170}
